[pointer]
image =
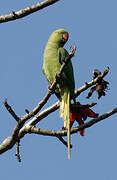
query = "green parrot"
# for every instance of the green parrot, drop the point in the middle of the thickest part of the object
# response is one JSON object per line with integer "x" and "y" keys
{"x": 54, "y": 56}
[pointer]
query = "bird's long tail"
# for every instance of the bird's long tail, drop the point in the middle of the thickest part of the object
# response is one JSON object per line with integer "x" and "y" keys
{"x": 65, "y": 113}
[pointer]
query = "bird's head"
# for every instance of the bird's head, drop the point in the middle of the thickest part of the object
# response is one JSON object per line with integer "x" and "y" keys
{"x": 59, "y": 37}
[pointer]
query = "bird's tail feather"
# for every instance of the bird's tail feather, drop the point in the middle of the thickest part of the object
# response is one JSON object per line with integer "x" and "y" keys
{"x": 68, "y": 125}
{"x": 65, "y": 113}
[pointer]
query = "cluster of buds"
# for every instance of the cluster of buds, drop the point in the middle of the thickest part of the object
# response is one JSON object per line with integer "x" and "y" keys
{"x": 100, "y": 86}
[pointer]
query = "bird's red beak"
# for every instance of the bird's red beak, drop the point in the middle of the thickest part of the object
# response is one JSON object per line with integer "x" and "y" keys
{"x": 65, "y": 36}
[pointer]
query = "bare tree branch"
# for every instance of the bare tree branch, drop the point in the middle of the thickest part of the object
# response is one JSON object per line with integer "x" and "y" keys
{"x": 26, "y": 11}
{"x": 32, "y": 129}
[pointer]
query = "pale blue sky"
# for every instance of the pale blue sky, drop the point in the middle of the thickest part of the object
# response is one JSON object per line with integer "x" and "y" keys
{"x": 92, "y": 26}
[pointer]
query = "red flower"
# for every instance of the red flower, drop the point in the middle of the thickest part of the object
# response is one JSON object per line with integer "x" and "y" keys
{"x": 81, "y": 116}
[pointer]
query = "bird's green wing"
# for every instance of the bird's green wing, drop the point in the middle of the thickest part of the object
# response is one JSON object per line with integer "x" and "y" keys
{"x": 68, "y": 72}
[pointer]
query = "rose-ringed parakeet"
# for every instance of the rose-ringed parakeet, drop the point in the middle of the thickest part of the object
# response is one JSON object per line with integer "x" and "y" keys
{"x": 54, "y": 56}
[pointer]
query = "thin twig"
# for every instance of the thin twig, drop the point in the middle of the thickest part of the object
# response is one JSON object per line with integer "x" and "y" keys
{"x": 26, "y": 11}
{"x": 10, "y": 110}
{"x": 17, "y": 151}
{"x": 63, "y": 141}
